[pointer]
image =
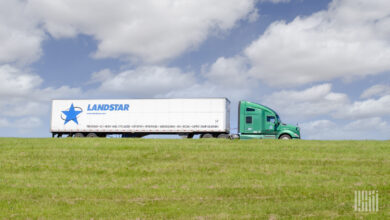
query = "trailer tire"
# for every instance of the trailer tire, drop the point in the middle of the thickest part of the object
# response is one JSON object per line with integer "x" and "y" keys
{"x": 223, "y": 136}
{"x": 78, "y": 135}
{"x": 285, "y": 137}
{"x": 208, "y": 135}
{"x": 92, "y": 135}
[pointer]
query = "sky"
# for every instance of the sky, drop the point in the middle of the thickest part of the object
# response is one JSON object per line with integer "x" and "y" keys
{"x": 323, "y": 64}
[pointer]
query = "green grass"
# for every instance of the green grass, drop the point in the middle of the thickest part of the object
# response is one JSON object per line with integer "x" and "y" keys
{"x": 199, "y": 179}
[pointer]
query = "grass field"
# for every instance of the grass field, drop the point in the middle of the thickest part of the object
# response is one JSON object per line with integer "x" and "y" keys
{"x": 199, "y": 179}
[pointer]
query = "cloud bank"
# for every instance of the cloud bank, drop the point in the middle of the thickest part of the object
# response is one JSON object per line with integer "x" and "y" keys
{"x": 289, "y": 67}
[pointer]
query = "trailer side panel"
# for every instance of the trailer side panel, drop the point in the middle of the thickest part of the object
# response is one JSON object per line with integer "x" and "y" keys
{"x": 141, "y": 116}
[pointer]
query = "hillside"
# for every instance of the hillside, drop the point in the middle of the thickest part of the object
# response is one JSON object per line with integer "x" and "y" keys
{"x": 149, "y": 178}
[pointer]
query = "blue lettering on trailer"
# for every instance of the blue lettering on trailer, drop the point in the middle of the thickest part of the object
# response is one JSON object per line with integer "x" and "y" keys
{"x": 108, "y": 107}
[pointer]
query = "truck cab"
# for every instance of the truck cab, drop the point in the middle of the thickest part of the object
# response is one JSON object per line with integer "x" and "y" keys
{"x": 257, "y": 121}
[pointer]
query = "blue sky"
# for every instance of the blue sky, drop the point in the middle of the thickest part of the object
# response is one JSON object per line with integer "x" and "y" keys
{"x": 322, "y": 64}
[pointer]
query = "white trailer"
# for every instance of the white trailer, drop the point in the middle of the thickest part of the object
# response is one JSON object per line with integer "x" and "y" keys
{"x": 209, "y": 117}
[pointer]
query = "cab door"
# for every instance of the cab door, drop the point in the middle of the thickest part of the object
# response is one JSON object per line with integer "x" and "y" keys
{"x": 252, "y": 121}
{"x": 269, "y": 124}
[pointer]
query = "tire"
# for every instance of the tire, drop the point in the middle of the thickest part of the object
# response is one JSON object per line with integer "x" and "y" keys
{"x": 92, "y": 135}
{"x": 285, "y": 137}
{"x": 234, "y": 136}
{"x": 223, "y": 136}
{"x": 78, "y": 135}
{"x": 208, "y": 135}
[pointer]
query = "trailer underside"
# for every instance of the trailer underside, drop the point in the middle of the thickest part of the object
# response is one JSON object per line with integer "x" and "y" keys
{"x": 140, "y": 134}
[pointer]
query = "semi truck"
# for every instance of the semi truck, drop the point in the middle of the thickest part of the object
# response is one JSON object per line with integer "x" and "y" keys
{"x": 207, "y": 117}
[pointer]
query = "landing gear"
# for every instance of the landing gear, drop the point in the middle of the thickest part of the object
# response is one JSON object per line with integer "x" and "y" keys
{"x": 187, "y": 136}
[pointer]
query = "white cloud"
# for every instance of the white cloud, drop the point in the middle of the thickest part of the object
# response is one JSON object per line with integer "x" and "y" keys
{"x": 208, "y": 89}
{"x": 146, "y": 81}
{"x": 21, "y": 123}
{"x": 368, "y": 124}
{"x": 151, "y": 31}
{"x": 4, "y": 122}
{"x": 229, "y": 72}
{"x": 369, "y": 128}
{"x": 20, "y": 38}
{"x": 226, "y": 77}
{"x": 376, "y": 91}
{"x": 101, "y": 76}
{"x": 27, "y": 123}
{"x": 315, "y": 101}
{"x": 366, "y": 108}
{"x": 319, "y": 129}
{"x": 318, "y": 124}
{"x": 14, "y": 83}
{"x": 351, "y": 39}
{"x": 319, "y": 100}
{"x": 21, "y": 95}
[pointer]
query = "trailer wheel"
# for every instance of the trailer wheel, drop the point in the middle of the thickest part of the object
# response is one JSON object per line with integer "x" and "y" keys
{"x": 79, "y": 135}
{"x": 208, "y": 135}
{"x": 223, "y": 136}
{"x": 92, "y": 135}
{"x": 285, "y": 137}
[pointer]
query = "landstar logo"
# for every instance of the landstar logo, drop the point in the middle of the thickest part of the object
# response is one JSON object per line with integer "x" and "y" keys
{"x": 71, "y": 114}
{"x": 108, "y": 107}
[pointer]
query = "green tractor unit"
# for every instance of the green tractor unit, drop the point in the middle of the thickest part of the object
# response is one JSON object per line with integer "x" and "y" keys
{"x": 257, "y": 121}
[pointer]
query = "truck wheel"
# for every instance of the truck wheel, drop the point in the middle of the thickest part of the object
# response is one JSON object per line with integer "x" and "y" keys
{"x": 234, "y": 136}
{"x": 207, "y": 135}
{"x": 223, "y": 136}
{"x": 285, "y": 137}
{"x": 92, "y": 135}
{"x": 79, "y": 135}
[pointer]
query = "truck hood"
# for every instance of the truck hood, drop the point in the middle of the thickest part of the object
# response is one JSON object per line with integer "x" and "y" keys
{"x": 292, "y": 128}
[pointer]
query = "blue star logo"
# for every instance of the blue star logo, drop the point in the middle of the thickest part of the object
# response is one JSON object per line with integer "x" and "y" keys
{"x": 71, "y": 114}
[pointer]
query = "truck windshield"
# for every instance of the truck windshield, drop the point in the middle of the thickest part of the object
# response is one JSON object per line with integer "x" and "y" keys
{"x": 278, "y": 118}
